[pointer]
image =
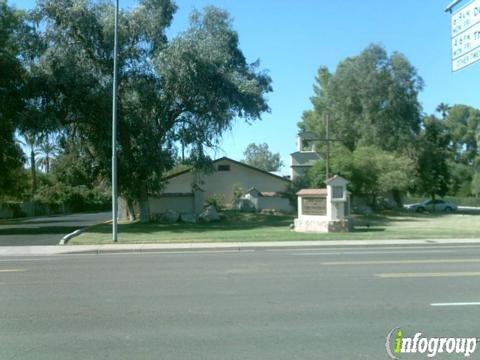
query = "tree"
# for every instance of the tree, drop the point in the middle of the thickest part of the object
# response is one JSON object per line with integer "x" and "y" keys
{"x": 11, "y": 82}
{"x": 476, "y": 184}
{"x": 462, "y": 123}
{"x": 443, "y": 109}
{"x": 47, "y": 149}
{"x": 461, "y": 176}
{"x": 372, "y": 99}
{"x": 373, "y": 172}
{"x": 261, "y": 157}
{"x": 31, "y": 142}
{"x": 187, "y": 90}
{"x": 433, "y": 174}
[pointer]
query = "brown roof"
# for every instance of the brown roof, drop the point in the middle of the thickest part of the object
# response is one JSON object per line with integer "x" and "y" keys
{"x": 235, "y": 162}
{"x": 312, "y": 192}
{"x": 270, "y": 193}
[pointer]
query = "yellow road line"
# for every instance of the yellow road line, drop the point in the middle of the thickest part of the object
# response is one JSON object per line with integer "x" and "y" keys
{"x": 393, "y": 262}
{"x": 12, "y": 270}
{"x": 428, "y": 274}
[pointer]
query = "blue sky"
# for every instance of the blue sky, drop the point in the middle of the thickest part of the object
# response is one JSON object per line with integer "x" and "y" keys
{"x": 293, "y": 39}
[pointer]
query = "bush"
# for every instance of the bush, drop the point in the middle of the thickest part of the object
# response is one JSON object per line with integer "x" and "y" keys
{"x": 457, "y": 200}
{"x": 237, "y": 194}
{"x": 14, "y": 208}
{"x": 215, "y": 200}
{"x": 61, "y": 197}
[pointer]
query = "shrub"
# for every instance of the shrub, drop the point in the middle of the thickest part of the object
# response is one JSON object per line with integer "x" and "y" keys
{"x": 15, "y": 208}
{"x": 215, "y": 200}
{"x": 237, "y": 194}
{"x": 61, "y": 197}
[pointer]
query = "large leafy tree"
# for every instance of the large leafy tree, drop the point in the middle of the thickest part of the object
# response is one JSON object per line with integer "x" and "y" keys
{"x": 187, "y": 90}
{"x": 261, "y": 157}
{"x": 11, "y": 83}
{"x": 374, "y": 172}
{"x": 462, "y": 123}
{"x": 433, "y": 173}
{"x": 372, "y": 100}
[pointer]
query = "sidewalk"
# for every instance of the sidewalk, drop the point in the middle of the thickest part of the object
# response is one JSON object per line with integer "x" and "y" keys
{"x": 111, "y": 248}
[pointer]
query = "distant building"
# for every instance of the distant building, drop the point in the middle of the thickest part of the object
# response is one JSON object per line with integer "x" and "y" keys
{"x": 305, "y": 157}
{"x": 227, "y": 173}
{"x": 186, "y": 191}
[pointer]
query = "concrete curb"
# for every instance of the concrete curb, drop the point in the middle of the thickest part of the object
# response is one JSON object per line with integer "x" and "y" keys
{"x": 67, "y": 237}
{"x": 234, "y": 246}
{"x": 77, "y": 232}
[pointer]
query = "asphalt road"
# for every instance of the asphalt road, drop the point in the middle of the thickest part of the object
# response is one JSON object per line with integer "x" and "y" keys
{"x": 46, "y": 230}
{"x": 335, "y": 303}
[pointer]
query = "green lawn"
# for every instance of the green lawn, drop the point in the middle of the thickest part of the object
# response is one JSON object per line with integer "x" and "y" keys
{"x": 256, "y": 227}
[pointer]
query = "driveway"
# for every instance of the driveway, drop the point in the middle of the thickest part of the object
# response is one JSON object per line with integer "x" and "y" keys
{"x": 47, "y": 230}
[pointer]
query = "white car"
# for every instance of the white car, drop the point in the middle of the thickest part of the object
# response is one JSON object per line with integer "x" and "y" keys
{"x": 433, "y": 206}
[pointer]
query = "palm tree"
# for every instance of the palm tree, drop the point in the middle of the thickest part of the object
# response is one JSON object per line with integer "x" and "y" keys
{"x": 31, "y": 141}
{"x": 48, "y": 150}
{"x": 443, "y": 109}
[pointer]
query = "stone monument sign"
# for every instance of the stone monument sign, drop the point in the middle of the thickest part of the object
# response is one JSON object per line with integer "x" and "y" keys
{"x": 324, "y": 210}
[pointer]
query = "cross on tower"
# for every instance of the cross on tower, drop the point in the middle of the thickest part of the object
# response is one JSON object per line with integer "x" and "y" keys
{"x": 328, "y": 140}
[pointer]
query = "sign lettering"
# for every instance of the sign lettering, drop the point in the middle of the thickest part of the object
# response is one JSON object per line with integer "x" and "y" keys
{"x": 314, "y": 206}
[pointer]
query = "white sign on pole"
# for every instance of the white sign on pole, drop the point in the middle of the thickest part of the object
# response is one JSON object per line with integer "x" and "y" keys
{"x": 466, "y": 36}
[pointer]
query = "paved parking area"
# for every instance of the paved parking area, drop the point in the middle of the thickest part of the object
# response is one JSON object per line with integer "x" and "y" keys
{"x": 46, "y": 230}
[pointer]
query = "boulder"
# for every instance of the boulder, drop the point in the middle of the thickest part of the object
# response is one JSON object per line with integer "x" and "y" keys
{"x": 170, "y": 216}
{"x": 188, "y": 218}
{"x": 209, "y": 214}
{"x": 268, "y": 212}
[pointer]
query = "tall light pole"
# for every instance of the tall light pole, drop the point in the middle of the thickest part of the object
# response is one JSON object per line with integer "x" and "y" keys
{"x": 114, "y": 130}
{"x": 327, "y": 139}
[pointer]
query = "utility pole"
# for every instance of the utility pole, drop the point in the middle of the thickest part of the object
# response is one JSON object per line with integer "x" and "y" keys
{"x": 114, "y": 130}
{"x": 327, "y": 139}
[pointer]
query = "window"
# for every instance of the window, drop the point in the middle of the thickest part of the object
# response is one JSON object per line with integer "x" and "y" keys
{"x": 337, "y": 192}
{"x": 223, "y": 167}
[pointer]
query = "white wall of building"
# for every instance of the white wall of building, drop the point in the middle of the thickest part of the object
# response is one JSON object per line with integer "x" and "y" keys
{"x": 180, "y": 204}
{"x": 222, "y": 182}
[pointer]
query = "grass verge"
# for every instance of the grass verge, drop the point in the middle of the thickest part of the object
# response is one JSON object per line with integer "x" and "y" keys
{"x": 244, "y": 227}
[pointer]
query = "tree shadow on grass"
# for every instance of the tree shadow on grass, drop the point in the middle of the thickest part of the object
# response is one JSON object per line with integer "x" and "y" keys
{"x": 44, "y": 230}
{"x": 362, "y": 229}
{"x": 35, "y": 222}
{"x": 386, "y": 217}
{"x": 231, "y": 222}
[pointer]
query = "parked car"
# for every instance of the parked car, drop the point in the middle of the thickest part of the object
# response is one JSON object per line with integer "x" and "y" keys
{"x": 431, "y": 206}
